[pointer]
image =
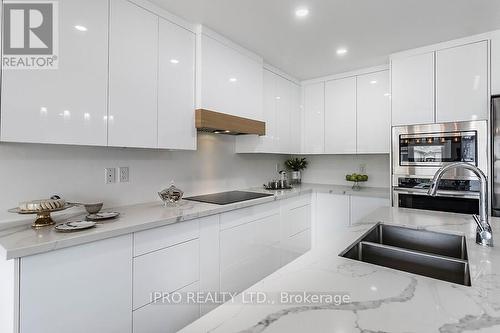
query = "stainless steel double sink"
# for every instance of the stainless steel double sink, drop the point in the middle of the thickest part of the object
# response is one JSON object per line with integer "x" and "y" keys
{"x": 433, "y": 254}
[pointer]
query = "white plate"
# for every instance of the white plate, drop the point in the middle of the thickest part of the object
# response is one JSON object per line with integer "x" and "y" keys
{"x": 74, "y": 226}
{"x": 102, "y": 216}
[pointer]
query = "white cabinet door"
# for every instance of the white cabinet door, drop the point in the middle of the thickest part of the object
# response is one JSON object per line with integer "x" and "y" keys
{"x": 413, "y": 89}
{"x": 230, "y": 81}
{"x": 296, "y": 120}
{"x": 462, "y": 83}
{"x": 176, "y": 126}
{"x": 495, "y": 64}
{"x": 295, "y": 246}
{"x": 313, "y": 136}
{"x": 332, "y": 213}
{"x": 249, "y": 252}
{"x": 373, "y": 113}
{"x": 362, "y": 207}
{"x": 133, "y": 72}
{"x": 166, "y": 318}
{"x": 67, "y": 105}
{"x": 266, "y": 143}
{"x": 165, "y": 270}
{"x": 85, "y": 288}
{"x": 340, "y": 116}
{"x": 283, "y": 109}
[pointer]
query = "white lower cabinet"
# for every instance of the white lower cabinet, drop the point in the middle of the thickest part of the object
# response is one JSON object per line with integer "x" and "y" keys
{"x": 295, "y": 228}
{"x": 256, "y": 241}
{"x": 107, "y": 285}
{"x": 361, "y": 207}
{"x": 165, "y": 270}
{"x": 249, "y": 252}
{"x": 332, "y": 213}
{"x": 166, "y": 318}
{"x": 85, "y": 288}
{"x": 295, "y": 246}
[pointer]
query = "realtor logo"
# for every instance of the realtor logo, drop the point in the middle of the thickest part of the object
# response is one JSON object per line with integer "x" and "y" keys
{"x": 30, "y": 38}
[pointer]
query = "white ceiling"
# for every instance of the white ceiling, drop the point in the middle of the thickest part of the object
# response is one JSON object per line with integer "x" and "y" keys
{"x": 370, "y": 29}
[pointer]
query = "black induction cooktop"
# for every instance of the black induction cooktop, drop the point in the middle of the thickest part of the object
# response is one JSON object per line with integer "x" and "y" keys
{"x": 225, "y": 198}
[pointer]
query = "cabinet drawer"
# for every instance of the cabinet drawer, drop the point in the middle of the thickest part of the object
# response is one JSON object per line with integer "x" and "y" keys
{"x": 296, "y": 246}
{"x": 165, "y": 270}
{"x": 296, "y": 220}
{"x": 249, "y": 214}
{"x": 159, "y": 238}
{"x": 296, "y": 202}
{"x": 166, "y": 318}
{"x": 248, "y": 253}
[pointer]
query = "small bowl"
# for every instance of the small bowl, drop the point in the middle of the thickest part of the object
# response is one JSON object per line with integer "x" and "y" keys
{"x": 93, "y": 208}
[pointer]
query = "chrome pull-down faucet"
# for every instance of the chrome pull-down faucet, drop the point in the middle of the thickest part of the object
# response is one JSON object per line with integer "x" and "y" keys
{"x": 484, "y": 235}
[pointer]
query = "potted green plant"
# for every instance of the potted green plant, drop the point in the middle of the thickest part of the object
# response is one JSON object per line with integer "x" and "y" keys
{"x": 295, "y": 166}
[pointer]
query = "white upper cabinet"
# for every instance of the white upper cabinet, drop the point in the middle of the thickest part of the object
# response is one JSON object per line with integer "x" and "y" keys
{"x": 281, "y": 99}
{"x": 462, "y": 83}
{"x": 284, "y": 112}
{"x": 340, "y": 116}
{"x": 373, "y": 113}
{"x": 413, "y": 89}
{"x": 495, "y": 64}
{"x": 296, "y": 120}
{"x": 66, "y": 105}
{"x": 176, "y": 87}
{"x": 313, "y": 139}
{"x": 133, "y": 72}
{"x": 230, "y": 81}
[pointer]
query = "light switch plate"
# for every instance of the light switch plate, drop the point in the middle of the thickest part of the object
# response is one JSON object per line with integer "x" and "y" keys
{"x": 124, "y": 174}
{"x": 110, "y": 175}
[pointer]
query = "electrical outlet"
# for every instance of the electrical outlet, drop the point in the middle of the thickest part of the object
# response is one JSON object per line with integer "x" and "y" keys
{"x": 124, "y": 174}
{"x": 110, "y": 175}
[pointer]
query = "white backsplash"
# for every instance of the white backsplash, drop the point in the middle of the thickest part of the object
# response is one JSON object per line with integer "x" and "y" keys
{"x": 332, "y": 169}
{"x": 32, "y": 171}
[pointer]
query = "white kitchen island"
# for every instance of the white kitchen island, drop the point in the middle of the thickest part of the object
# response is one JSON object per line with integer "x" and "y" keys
{"x": 382, "y": 299}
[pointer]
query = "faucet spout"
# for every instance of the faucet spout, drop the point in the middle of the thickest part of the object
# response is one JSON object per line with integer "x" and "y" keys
{"x": 484, "y": 235}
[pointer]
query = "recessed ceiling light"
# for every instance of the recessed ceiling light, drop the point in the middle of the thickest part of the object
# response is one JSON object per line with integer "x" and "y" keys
{"x": 301, "y": 12}
{"x": 233, "y": 79}
{"x": 174, "y": 61}
{"x": 341, "y": 51}
{"x": 373, "y": 82}
{"x": 80, "y": 28}
{"x": 278, "y": 98}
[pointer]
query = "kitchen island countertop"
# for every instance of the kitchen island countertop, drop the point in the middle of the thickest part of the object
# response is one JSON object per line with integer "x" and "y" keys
{"x": 382, "y": 299}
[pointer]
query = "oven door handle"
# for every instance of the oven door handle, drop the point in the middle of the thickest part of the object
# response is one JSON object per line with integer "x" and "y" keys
{"x": 443, "y": 193}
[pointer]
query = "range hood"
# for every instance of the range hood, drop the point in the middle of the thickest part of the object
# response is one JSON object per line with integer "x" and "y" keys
{"x": 216, "y": 122}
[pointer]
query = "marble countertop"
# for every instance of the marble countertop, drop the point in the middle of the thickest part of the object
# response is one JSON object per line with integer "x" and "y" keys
{"x": 18, "y": 239}
{"x": 382, "y": 299}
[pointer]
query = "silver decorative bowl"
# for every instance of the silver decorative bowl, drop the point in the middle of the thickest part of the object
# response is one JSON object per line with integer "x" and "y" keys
{"x": 171, "y": 196}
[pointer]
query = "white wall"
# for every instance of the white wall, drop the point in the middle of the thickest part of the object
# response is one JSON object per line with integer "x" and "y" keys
{"x": 331, "y": 169}
{"x": 29, "y": 171}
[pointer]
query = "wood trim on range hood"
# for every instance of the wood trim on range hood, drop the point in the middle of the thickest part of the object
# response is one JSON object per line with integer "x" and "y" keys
{"x": 216, "y": 122}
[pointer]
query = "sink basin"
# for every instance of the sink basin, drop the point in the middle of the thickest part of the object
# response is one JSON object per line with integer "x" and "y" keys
{"x": 433, "y": 254}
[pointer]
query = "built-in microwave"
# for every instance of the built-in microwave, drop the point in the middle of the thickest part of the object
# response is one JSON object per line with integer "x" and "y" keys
{"x": 420, "y": 150}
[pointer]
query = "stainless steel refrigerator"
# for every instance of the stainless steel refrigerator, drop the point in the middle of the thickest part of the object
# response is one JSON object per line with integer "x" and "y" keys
{"x": 495, "y": 159}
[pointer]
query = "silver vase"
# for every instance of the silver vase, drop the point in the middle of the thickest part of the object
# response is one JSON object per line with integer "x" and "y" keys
{"x": 296, "y": 177}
